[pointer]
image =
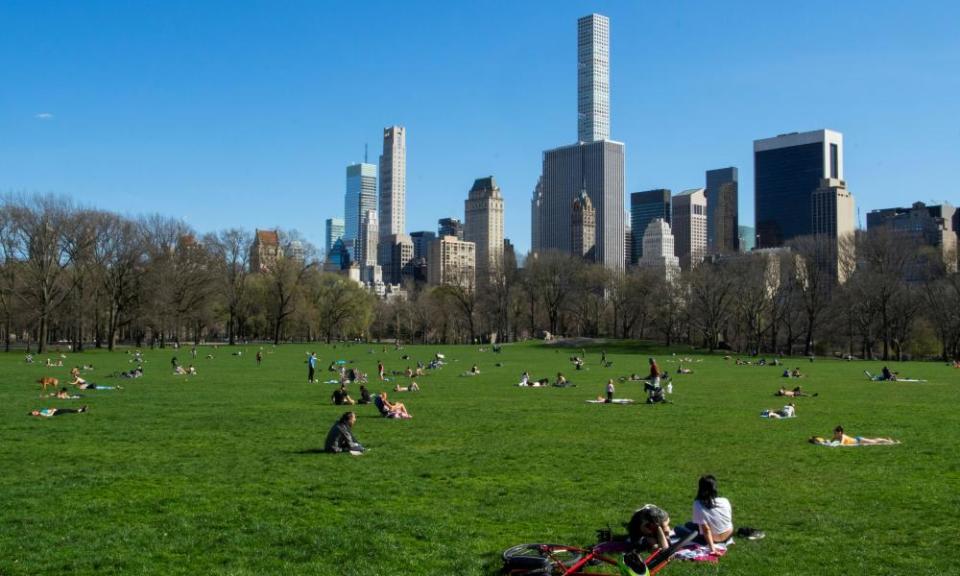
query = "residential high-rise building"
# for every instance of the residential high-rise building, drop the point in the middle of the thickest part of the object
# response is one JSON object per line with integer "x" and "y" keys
{"x": 722, "y": 214}
{"x": 401, "y": 258}
{"x": 645, "y": 207}
{"x": 368, "y": 240}
{"x": 583, "y": 227}
{"x": 932, "y": 226}
{"x": 483, "y": 225}
{"x": 536, "y": 204}
{"x": 265, "y": 250}
{"x": 787, "y": 169}
{"x": 659, "y": 250}
{"x": 690, "y": 227}
{"x": 595, "y": 163}
{"x": 593, "y": 78}
{"x": 334, "y": 232}
{"x": 597, "y": 168}
{"x": 450, "y": 227}
{"x": 421, "y": 242}
{"x": 834, "y": 224}
{"x": 628, "y": 245}
{"x": 360, "y": 198}
{"x": 393, "y": 181}
{"x": 452, "y": 262}
{"x": 748, "y": 238}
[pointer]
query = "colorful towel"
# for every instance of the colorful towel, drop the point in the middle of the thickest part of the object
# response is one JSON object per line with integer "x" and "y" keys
{"x": 700, "y": 553}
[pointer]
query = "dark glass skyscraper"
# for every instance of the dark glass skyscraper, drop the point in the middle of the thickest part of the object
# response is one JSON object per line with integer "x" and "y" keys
{"x": 787, "y": 170}
{"x": 722, "y": 219}
{"x": 644, "y": 208}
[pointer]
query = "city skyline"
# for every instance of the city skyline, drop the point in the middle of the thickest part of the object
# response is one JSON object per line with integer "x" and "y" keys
{"x": 154, "y": 131}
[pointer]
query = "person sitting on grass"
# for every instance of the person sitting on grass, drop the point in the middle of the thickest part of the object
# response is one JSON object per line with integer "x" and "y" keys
{"x": 796, "y": 373}
{"x": 524, "y": 379}
{"x": 886, "y": 375}
{"x": 51, "y": 412}
{"x": 340, "y": 397}
{"x": 340, "y": 437}
{"x": 390, "y": 409}
{"x": 712, "y": 515}
{"x": 682, "y": 370}
{"x": 364, "y": 395}
{"x": 562, "y": 381}
{"x": 788, "y": 411}
{"x": 839, "y": 436}
{"x": 413, "y": 387}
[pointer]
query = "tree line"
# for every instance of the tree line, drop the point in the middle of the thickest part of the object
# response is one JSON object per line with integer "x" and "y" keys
{"x": 96, "y": 278}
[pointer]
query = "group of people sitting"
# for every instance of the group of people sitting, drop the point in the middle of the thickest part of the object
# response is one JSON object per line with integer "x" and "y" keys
{"x": 560, "y": 382}
{"x": 794, "y": 374}
{"x": 711, "y": 520}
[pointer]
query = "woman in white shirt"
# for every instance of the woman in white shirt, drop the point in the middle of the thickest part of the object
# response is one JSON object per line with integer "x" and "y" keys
{"x": 712, "y": 515}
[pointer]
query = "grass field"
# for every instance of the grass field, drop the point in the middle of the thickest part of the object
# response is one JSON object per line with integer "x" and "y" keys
{"x": 219, "y": 474}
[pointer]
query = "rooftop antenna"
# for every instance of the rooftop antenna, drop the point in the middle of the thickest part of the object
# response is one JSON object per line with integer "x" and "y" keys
{"x": 859, "y": 220}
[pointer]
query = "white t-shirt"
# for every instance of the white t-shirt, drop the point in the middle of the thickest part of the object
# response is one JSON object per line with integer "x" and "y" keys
{"x": 788, "y": 411}
{"x": 719, "y": 518}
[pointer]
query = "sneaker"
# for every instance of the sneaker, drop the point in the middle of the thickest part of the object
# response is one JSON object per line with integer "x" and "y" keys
{"x": 750, "y": 533}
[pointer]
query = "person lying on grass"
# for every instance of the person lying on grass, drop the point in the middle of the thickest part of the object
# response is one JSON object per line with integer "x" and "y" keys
{"x": 788, "y": 411}
{"x": 885, "y": 375}
{"x": 562, "y": 381}
{"x": 839, "y": 438}
{"x": 390, "y": 409}
{"x": 413, "y": 387}
{"x": 682, "y": 370}
{"x": 51, "y": 412}
{"x": 84, "y": 385}
{"x": 797, "y": 392}
{"x": 62, "y": 394}
{"x": 340, "y": 437}
{"x": 649, "y": 528}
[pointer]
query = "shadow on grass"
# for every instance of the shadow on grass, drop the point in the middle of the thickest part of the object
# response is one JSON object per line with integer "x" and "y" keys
{"x": 306, "y": 451}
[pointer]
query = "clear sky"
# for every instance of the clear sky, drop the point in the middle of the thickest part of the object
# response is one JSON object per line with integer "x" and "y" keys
{"x": 232, "y": 113}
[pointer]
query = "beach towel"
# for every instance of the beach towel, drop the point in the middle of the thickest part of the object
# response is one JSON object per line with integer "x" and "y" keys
{"x": 700, "y": 553}
{"x": 331, "y": 382}
{"x": 615, "y": 401}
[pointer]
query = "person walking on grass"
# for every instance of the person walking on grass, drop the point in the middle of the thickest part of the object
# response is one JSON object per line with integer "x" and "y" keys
{"x": 311, "y": 367}
{"x": 259, "y": 357}
{"x": 380, "y": 370}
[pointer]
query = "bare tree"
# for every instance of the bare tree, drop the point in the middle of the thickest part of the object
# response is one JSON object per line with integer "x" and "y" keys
{"x": 231, "y": 251}
{"x": 41, "y": 224}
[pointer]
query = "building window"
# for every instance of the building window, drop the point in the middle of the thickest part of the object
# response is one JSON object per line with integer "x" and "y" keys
{"x": 834, "y": 161}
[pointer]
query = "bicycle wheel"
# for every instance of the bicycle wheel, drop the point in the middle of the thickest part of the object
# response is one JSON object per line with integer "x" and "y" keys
{"x": 536, "y": 559}
{"x": 553, "y": 560}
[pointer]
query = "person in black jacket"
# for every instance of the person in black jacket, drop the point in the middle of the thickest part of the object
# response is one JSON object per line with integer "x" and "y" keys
{"x": 340, "y": 438}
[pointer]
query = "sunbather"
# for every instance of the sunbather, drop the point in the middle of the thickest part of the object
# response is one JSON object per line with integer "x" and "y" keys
{"x": 843, "y": 439}
{"x": 413, "y": 387}
{"x": 390, "y": 409}
{"x": 51, "y": 412}
{"x": 788, "y": 411}
{"x": 797, "y": 392}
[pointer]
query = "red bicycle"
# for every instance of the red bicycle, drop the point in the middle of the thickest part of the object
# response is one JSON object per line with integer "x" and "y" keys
{"x": 608, "y": 557}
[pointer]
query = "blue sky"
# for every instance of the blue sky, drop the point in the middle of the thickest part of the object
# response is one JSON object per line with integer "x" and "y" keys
{"x": 246, "y": 113}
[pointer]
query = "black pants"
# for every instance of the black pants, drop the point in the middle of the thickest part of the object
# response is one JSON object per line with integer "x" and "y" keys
{"x": 310, "y": 374}
{"x": 62, "y": 411}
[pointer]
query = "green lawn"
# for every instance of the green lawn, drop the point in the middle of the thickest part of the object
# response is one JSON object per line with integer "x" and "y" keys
{"x": 216, "y": 474}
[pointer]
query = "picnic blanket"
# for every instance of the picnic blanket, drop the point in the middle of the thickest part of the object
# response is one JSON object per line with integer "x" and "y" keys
{"x": 700, "y": 553}
{"x": 331, "y": 382}
{"x": 614, "y": 401}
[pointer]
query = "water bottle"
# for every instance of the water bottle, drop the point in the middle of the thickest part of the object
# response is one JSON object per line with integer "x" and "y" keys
{"x": 670, "y": 388}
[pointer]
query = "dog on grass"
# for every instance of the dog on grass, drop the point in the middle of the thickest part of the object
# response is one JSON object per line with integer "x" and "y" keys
{"x": 48, "y": 382}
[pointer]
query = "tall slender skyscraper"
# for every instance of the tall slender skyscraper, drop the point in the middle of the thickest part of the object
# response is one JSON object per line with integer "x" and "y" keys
{"x": 690, "y": 227}
{"x": 393, "y": 181}
{"x": 483, "y": 225}
{"x": 645, "y": 207}
{"x": 594, "y": 164}
{"x": 787, "y": 170}
{"x": 360, "y": 198}
{"x": 593, "y": 78}
{"x": 722, "y": 219}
